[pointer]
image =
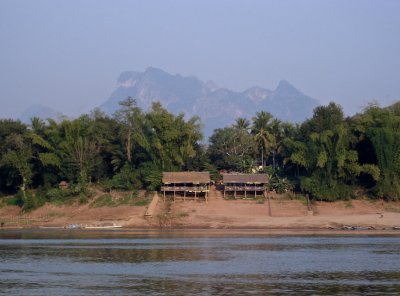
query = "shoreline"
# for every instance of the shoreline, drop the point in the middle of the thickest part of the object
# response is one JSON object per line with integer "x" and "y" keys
{"x": 257, "y": 231}
{"x": 218, "y": 215}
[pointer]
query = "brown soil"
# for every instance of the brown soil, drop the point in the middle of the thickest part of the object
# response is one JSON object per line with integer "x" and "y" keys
{"x": 216, "y": 213}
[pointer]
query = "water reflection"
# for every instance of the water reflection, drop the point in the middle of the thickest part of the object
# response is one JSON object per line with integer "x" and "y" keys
{"x": 134, "y": 264}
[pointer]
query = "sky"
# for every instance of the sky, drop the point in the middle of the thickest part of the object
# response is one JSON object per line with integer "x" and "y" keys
{"x": 68, "y": 54}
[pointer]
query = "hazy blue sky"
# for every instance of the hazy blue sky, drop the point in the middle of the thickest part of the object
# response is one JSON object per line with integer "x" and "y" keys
{"x": 68, "y": 54}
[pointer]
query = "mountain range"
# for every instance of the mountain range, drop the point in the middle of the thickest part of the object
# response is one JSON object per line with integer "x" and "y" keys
{"x": 216, "y": 106}
{"x": 40, "y": 111}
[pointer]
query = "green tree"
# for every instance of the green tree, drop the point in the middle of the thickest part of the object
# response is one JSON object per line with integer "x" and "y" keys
{"x": 45, "y": 157}
{"x": 231, "y": 148}
{"x": 9, "y": 177}
{"x": 18, "y": 157}
{"x": 379, "y": 128}
{"x": 130, "y": 117}
{"x": 242, "y": 124}
{"x": 331, "y": 162}
{"x": 80, "y": 153}
{"x": 171, "y": 139}
{"x": 262, "y": 136}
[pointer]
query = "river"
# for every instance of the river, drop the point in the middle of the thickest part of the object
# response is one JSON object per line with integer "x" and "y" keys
{"x": 71, "y": 262}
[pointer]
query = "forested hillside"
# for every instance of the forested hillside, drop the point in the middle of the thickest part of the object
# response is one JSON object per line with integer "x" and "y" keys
{"x": 328, "y": 156}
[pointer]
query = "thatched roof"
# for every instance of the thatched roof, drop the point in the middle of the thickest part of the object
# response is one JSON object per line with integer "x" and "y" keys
{"x": 186, "y": 177}
{"x": 245, "y": 178}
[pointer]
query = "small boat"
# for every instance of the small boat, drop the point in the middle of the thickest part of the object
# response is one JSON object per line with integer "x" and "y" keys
{"x": 396, "y": 228}
{"x": 361, "y": 228}
{"x": 73, "y": 226}
{"x": 103, "y": 226}
{"x": 347, "y": 227}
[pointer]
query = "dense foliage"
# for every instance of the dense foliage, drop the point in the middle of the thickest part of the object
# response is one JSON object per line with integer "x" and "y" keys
{"x": 328, "y": 156}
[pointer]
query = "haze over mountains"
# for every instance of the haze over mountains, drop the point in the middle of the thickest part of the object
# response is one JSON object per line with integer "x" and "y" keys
{"x": 216, "y": 106}
{"x": 38, "y": 110}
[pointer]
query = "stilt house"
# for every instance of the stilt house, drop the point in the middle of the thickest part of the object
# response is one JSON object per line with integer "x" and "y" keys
{"x": 186, "y": 185}
{"x": 245, "y": 185}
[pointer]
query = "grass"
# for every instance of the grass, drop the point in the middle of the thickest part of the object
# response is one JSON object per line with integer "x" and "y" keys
{"x": 57, "y": 202}
{"x": 126, "y": 199}
{"x": 141, "y": 203}
{"x": 301, "y": 198}
{"x": 131, "y": 199}
{"x": 104, "y": 200}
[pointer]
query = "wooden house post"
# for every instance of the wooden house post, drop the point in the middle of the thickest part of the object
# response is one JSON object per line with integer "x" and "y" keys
{"x": 174, "y": 191}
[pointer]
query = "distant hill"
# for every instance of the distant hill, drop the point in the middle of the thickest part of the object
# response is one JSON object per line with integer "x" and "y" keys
{"x": 40, "y": 111}
{"x": 217, "y": 107}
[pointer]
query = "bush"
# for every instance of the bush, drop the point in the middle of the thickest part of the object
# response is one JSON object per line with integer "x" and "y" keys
{"x": 104, "y": 200}
{"x": 83, "y": 199}
{"x": 70, "y": 195}
{"x": 326, "y": 192}
{"x": 29, "y": 202}
{"x": 15, "y": 201}
{"x": 126, "y": 179}
{"x": 280, "y": 185}
{"x": 151, "y": 176}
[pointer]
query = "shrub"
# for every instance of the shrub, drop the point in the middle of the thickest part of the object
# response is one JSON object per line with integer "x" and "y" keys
{"x": 150, "y": 175}
{"x": 327, "y": 192}
{"x": 104, "y": 200}
{"x": 280, "y": 185}
{"x": 142, "y": 202}
{"x": 74, "y": 192}
{"x": 15, "y": 201}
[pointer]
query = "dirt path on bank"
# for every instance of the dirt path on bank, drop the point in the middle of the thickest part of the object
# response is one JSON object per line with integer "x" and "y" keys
{"x": 216, "y": 213}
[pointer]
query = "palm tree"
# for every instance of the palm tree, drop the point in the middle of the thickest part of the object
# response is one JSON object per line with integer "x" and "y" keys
{"x": 260, "y": 131}
{"x": 242, "y": 124}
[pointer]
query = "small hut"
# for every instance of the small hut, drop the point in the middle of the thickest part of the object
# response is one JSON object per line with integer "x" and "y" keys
{"x": 186, "y": 185}
{"x": 245, "y": 184}
{"x": 63, "y": 185}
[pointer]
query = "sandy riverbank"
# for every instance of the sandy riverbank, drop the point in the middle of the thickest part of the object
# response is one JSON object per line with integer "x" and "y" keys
{"x": 217, "y": 213}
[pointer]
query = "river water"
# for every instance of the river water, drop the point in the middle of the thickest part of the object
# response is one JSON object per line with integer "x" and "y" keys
{"x": 196, "y": 263}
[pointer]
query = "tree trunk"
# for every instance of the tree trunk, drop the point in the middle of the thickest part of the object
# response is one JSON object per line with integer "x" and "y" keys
{"x": 23, "y": 187}
{"x": 262, "y": 158}
{"x": 128, "y": 147}
{"x": 273, "y": 159}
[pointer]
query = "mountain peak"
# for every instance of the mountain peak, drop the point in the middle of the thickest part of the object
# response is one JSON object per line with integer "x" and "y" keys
{"x": 154, "y": 70}
{"x": 216, "y": 106}
{"x": 257, "y": 94}
{"x": 40, "y": 111}
{"x": 285, "y": 85}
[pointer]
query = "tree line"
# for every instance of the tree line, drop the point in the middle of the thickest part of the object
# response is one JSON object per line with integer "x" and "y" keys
{"x": 329, "y": 156}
